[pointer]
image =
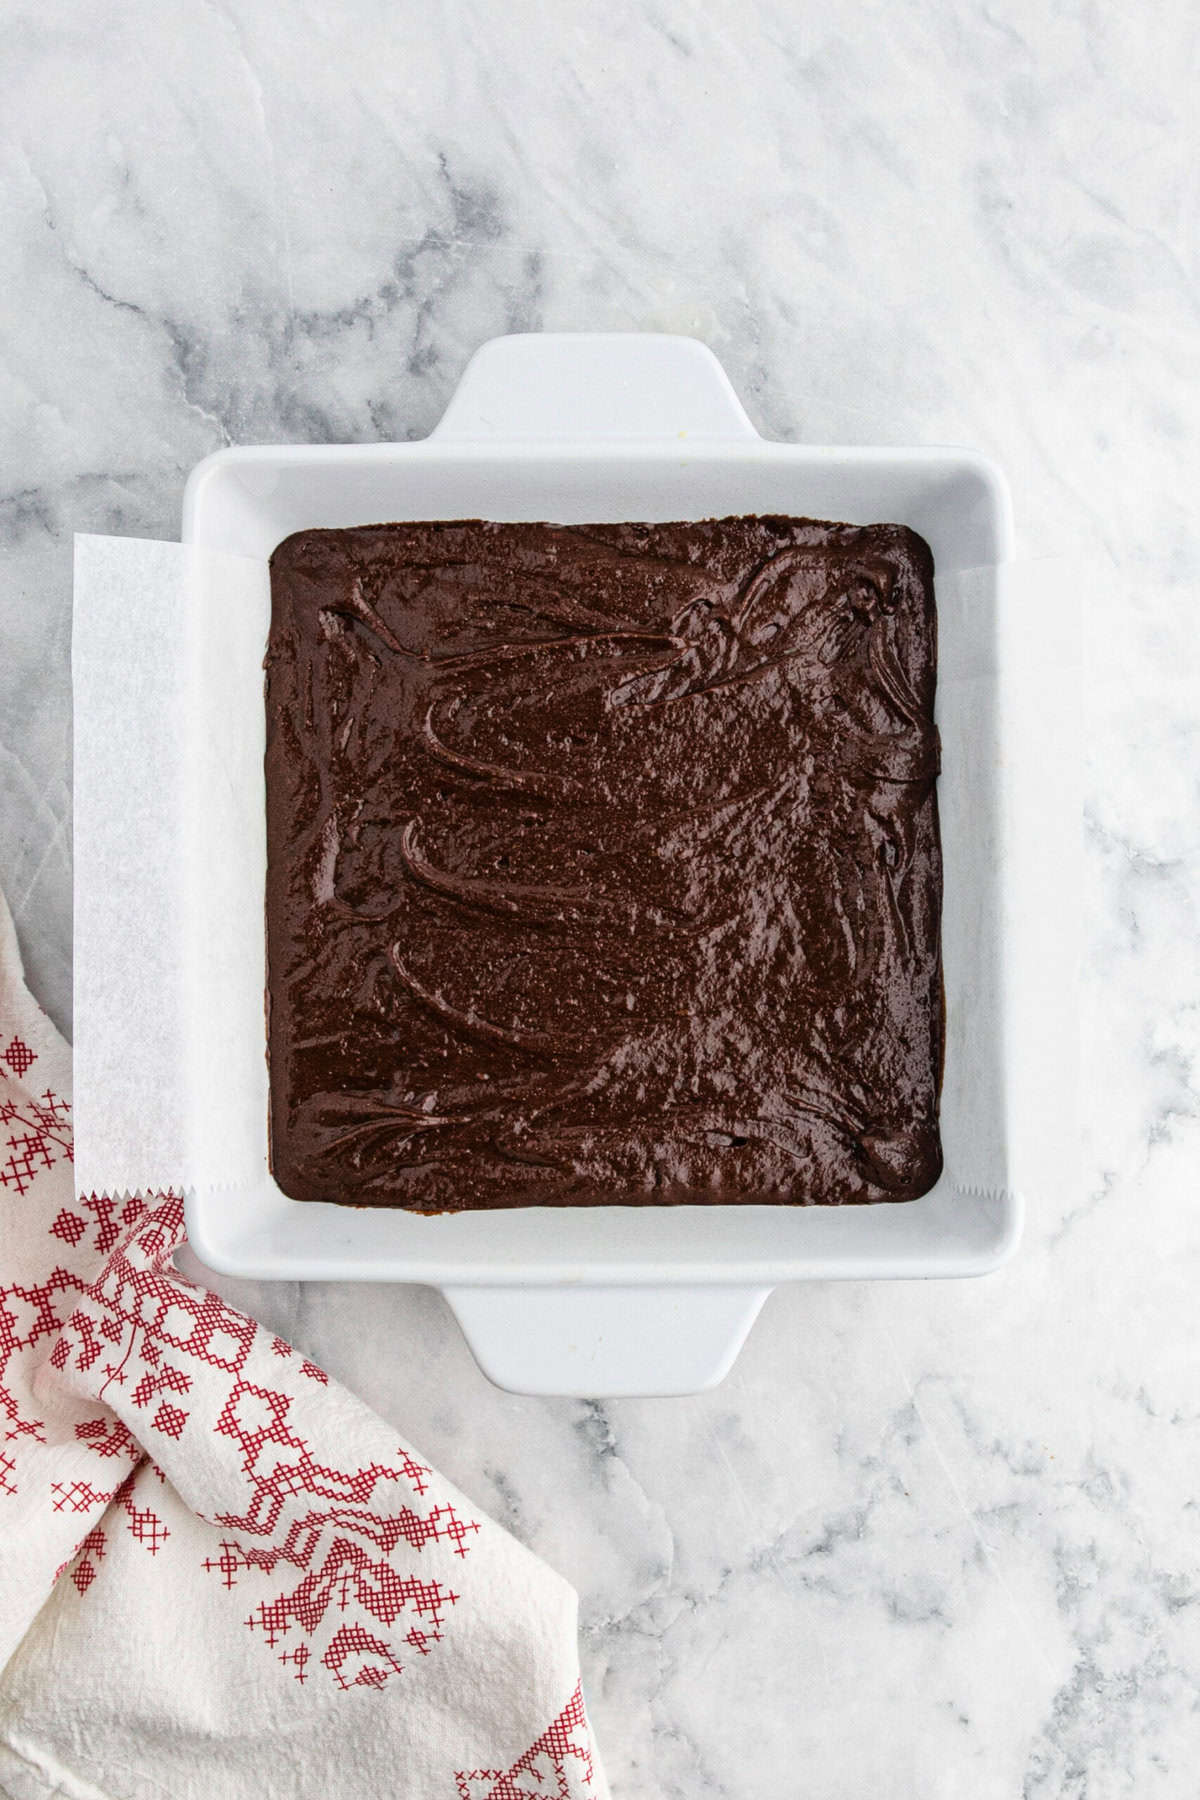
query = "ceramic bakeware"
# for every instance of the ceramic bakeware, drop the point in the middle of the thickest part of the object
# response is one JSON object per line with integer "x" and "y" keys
{"x": 650, "y": 1300}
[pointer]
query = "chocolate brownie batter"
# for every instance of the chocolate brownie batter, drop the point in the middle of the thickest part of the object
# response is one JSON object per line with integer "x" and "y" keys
{"x": 603, "y": 864}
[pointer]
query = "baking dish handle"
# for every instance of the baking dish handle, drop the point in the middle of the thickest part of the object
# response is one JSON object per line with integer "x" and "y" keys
{"x": 605, "y": 1342}
{"x": 585, "y": 386}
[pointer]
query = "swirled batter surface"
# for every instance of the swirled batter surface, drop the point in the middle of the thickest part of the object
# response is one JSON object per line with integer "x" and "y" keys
{"x": 603, "y": 864}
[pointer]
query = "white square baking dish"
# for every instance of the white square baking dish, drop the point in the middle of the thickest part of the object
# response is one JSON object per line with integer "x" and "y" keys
{"x": 619, "y": 1300}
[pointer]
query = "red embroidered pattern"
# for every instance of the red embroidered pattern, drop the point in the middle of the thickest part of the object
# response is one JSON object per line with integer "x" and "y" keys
{"x": 279, "y": 1467}
{"x": 168, "y": 1417}
{"x": 69, "y": 1227}
{"x": 84, "y": 1572}
{"x": 147, "y": 1310}
{"x": 169, "y": 1420}
{"x": 31, "y": 1311}
{"x": 28, "y": 1314}
{"x": 45, "y": 1141}
{"x": 20, "y": 1058}
{"x": 346, "y": 1658}
{"x": 559, "y": 1766}
{"x": 79, "y": 1496}
{"x": 109, "y": 1222}
{"x": 145, "y": 1526}
{"x": 299, "y": 1656}
{"x": 325, "y": 1554}
{"x": 348, "y": 1577}
{"x": 136, "y": 1329}
{"x": 230, "y": 1563}
{"x": 109, "y": 1438}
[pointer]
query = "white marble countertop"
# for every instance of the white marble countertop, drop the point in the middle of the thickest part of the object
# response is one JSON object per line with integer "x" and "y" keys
{"x": 929, "y": 1541}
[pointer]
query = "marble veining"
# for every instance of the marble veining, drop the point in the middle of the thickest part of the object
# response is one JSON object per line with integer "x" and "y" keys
{"x": 937, "y": 1540}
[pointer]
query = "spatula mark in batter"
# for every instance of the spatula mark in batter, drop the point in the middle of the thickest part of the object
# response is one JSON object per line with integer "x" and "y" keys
{"x": 532, "y": 904}
{"x": 543, "y": 1043}
{"x": 528, "y": 780}
{"x": 774, "y": 618}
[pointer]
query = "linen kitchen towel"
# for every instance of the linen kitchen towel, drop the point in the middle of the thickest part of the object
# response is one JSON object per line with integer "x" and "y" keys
{"x": 221, "y": 1575}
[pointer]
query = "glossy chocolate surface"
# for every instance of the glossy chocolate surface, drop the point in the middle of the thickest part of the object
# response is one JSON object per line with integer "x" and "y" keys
{"x": 603, "y": 864}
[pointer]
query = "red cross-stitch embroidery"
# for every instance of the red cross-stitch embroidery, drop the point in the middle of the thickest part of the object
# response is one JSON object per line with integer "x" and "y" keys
{"x": 136, "y": 1327}
{"x": 28, "y": 1314}
{"x": 20, "y": 1058}
{"x": 299, "y": 1656}
{"x": 169, "y": 1420}
{"x": 231, "y": 1563}
{"x": 559, "y": 1766}
{"x": 26, "y": 1153}
{"x": 36, "y": 1135}
{"x": 84, "y": 1572}
{"x": 161, "y": 1309}
{"x": 145, "y": 1526}
{"x": 45, "y": 1140}
{"x": 161, "y": 1380}
{"x": 111, "y": 1218}
{"x": 68, "y": 1226}
{"x": 279, "y": 1466}
{"x": 346, "y": 1658}
{"x": 108, "y": 1438}
{"x": 348, "y": 1577}
{"x": 326, "y": 1539}
{"x": 79, "y": 1496}
{"x": 325, "y": 1556}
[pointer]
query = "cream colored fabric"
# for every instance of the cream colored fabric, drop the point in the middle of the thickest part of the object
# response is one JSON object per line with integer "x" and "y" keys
{"x": 221, "y": 1575}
